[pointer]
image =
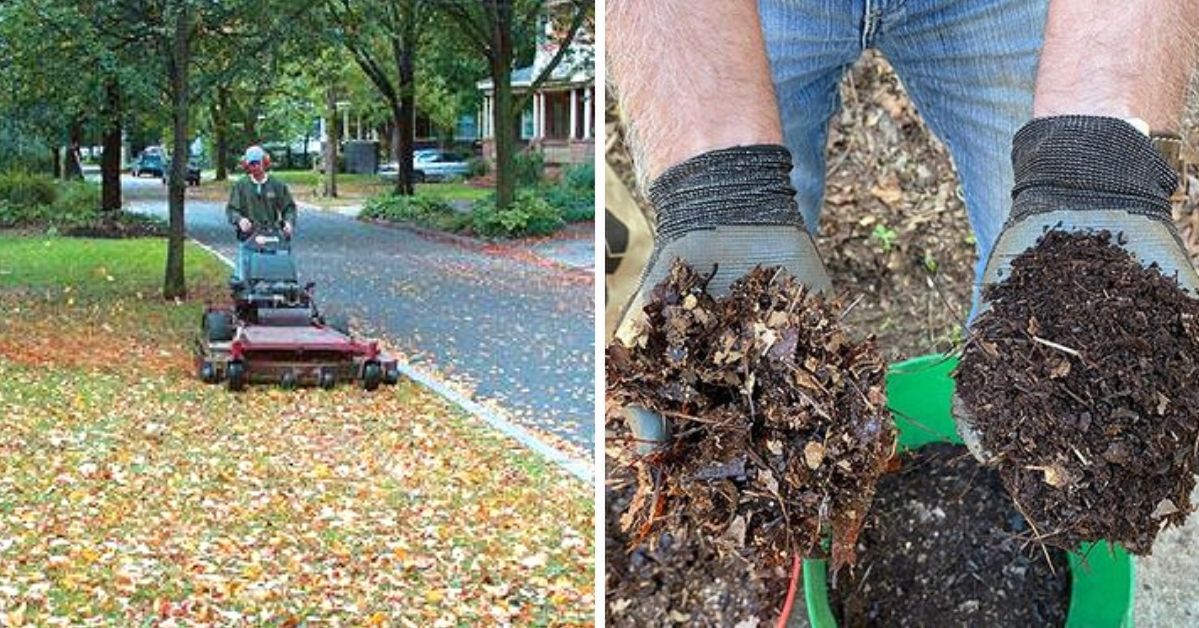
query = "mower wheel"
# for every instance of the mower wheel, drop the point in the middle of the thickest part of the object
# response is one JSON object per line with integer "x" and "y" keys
{"x": 391, "y": 376}
{"x": 208, "y": 372}
{"x": 235, "y": 374}
{"x": 372, "y": 375}
{"x": 327, "y": 379}
{"x": 218, "y": 326}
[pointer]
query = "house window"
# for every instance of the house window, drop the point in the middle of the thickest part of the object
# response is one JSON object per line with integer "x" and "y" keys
{"x": 423, "y": 127}
{"x": 557, "y": 115}
{"x": 467, "y": 128}
{"x": 526, "y": 122}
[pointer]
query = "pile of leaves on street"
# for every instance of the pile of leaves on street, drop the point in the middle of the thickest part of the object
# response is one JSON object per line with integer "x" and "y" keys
{"x": 779, "y": 423}
{"x": 1080, "y": 379}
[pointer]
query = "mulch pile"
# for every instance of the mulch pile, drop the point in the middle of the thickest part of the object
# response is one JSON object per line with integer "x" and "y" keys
{"x": 779, "y": 422}
{"x": 1081, "y": 382}
{"x": 944, "y": 546}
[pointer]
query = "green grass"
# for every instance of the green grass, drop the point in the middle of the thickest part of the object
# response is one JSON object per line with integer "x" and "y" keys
{"x": 453, "y": 191}
{"x": 99, "y": 268}
{"x": 355, "y": 187}
{"x": 309, "y": 177}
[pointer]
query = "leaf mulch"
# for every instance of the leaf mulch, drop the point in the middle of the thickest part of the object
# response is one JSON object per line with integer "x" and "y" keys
{"x": 680, "y": 580}
{"x": 944, "y": 546}
{"x": 780, "y": 423}
{"x": 1081, "y": 381}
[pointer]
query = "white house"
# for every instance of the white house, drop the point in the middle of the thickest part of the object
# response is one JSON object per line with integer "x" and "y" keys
{"x": 560, "y": 118}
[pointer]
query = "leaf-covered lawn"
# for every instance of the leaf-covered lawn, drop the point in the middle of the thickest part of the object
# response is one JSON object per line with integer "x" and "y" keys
{"x": 132, "y": 493}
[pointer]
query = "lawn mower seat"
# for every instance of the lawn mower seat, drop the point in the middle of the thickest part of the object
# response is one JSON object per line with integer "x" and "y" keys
{"x": 271, "y": 267}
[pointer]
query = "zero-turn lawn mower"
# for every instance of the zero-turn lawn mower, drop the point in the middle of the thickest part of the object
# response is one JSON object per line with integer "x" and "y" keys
{"x": 274, "y": 332}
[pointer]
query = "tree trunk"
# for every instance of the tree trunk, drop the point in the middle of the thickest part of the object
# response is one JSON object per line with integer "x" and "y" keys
{"x": 331, "y": 132}
{"x": 74, "y": 167}
{"x": 110, "y": 161}
{"x": 251, "y": 125}
{"x": 403, "y": 180}
{"x": 406, "y": 117}
{"x": 178, "y": 58}
{"x": 220, "y": 120}
{"x": 505, "y": 117}
{"x": 56, "y": 161}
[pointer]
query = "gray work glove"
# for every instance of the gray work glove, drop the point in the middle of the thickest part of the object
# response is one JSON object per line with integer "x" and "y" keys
{"x": 732, "y": 209}
{"x": 1086, "y": 174}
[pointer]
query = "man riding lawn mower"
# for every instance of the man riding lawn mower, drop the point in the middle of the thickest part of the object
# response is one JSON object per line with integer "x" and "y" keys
{"x": 274, "y": 332}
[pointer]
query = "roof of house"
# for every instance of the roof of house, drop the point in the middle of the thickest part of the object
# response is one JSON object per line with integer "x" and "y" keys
{"x": 564, "y": 74}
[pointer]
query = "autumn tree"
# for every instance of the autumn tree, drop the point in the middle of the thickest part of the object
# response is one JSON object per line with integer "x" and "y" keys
{"x": 493, "y": 28}
{"x": 384, "y": 37}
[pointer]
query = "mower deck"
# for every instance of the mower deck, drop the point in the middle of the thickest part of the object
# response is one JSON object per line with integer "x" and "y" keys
{"x": 295, "y": 356}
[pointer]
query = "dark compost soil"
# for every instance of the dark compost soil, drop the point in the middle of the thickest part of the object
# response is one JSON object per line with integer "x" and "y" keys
{"x": 779, "y": 423}
{"x": 1081, "y": 382}
{"x": 944, "y": 546}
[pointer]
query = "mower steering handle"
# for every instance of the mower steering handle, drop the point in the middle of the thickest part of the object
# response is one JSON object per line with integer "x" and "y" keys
{"x": 257, "y": 230}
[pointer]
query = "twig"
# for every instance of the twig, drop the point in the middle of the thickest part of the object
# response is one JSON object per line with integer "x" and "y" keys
{"x": 850, "y": 307}
{"x": 812, "y": 402}
{"x": 1036, "y": 534}
{"x": 679, "y": 415}
{"x": 1054, "y": 345}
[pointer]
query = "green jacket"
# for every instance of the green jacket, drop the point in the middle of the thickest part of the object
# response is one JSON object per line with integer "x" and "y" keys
{"x": 268, "y": 203}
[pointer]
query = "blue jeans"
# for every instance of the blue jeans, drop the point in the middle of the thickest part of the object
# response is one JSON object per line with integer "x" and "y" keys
{"x": 968, "y": 65}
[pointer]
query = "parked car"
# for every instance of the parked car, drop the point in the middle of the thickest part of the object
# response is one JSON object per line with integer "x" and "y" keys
{"x": 148, "y": 163}
{"x": 438, "y": 165}
{"x": 191, "y": 178}
{"x": 429, "y": 164}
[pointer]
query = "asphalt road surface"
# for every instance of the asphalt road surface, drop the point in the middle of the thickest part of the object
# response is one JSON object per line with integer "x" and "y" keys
{"x": 516, "y": 334}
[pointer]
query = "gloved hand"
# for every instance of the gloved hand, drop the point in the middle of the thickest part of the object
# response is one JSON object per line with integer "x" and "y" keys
{"x": 245, "y": 225}
{"x": 1086, "y": 174}
{"x": 733, "y": 209}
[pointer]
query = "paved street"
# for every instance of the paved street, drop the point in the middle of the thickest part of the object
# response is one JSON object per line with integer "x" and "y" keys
{"x": 518, "y": 335}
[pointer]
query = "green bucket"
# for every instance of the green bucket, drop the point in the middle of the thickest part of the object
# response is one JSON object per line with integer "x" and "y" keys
{"x": 920, "y": 392}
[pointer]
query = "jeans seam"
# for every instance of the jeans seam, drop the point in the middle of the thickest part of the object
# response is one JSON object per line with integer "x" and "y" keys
{"x": 834, "y": 103}
{"x": 871, "y": 17}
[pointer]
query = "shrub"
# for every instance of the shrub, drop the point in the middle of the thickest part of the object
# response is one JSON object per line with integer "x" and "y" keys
{"x": 78, "y": 204}
{"x": 580, "y": 176}
{"x": 24, "y": 189}
{"x": 529, "y": 214}
{"x": 478, "y": 167}
{"x": 574, "y": 194}
{"x": 17, "y": 215}
{"x": 399, "y": 208}
{"x": 39, "y": 201}
{"x": 530, "y": 168}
